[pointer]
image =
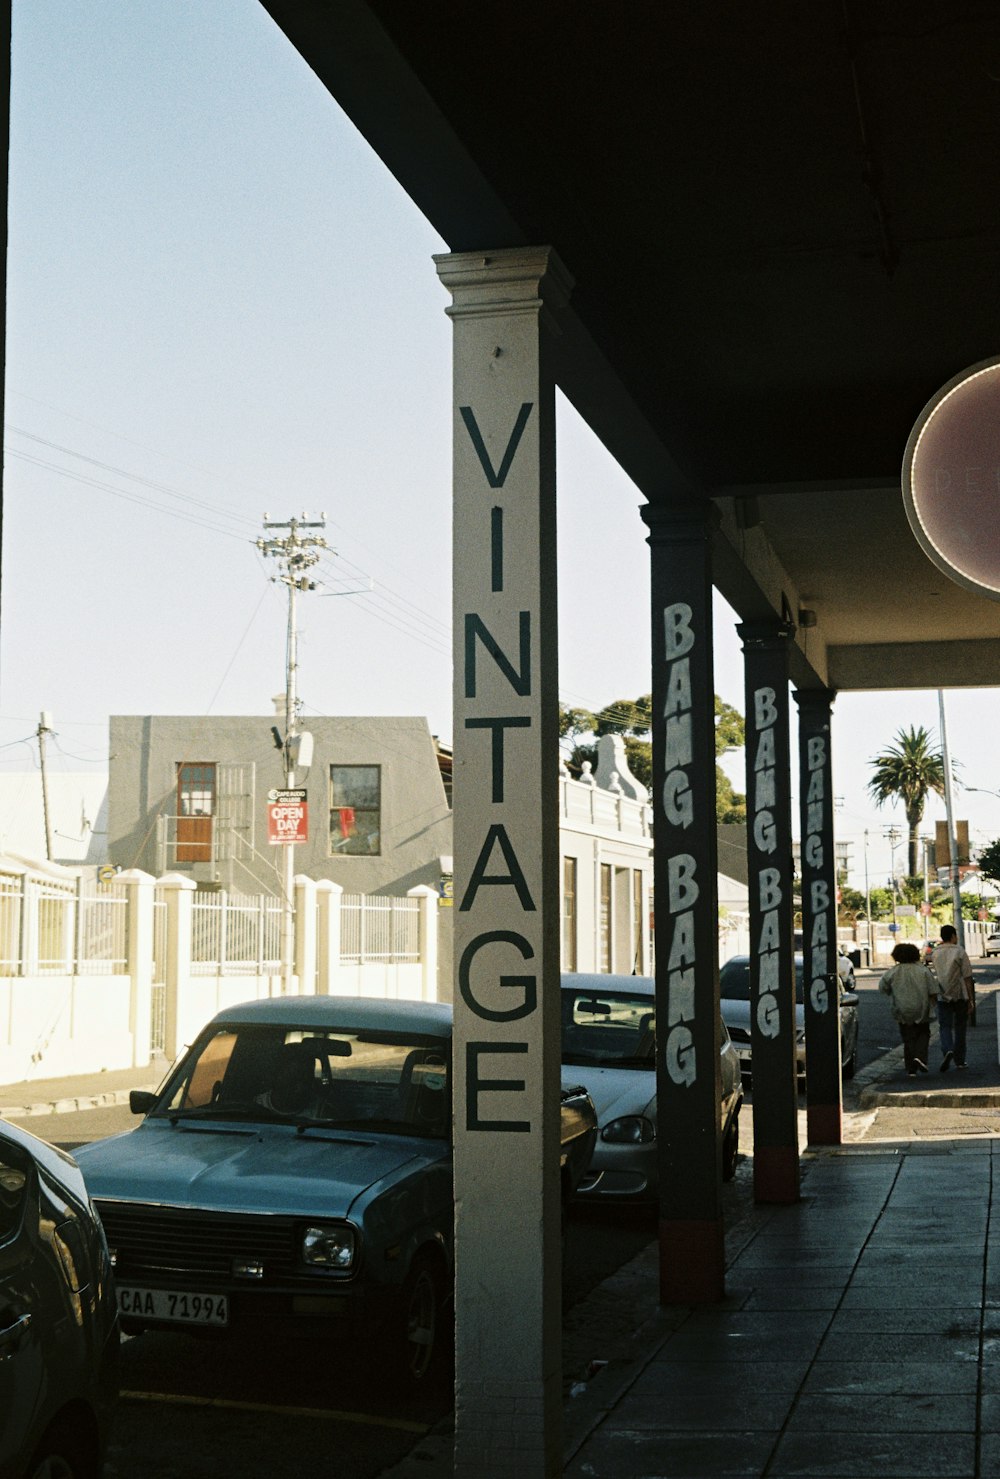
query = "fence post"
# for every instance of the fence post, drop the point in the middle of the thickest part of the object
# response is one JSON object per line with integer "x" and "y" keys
{"x": 328, "y": 896}
{"x": 139, "y": 892}
{"x": 178, "y": 894}
{"x": 77, "y": 946}
{"x": 29, "y": 927}
{"x": 428, "y": 939}
{"x": 304, "y": 964}
{"x": 223, "y": 951}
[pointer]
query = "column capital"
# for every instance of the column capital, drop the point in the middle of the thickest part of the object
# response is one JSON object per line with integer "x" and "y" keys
{"x": 683, "y": 521}
{"x": 767, "y": 635}
{"x": 511, "y": 280}
{"x": 815, "y": 702}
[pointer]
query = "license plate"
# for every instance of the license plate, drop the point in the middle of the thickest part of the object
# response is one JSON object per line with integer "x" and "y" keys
{"x": 174, "y": 1305}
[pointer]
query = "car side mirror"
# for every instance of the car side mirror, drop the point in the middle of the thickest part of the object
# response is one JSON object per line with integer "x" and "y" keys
{"x": 141, "y": 1101}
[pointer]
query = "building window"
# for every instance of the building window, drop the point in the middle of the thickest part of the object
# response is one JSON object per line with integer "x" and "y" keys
{"x": 605, "y": 917}
{"x": 196, "y": 792}
{"x": 355, "y": 810}
{"x": 569, "y": 915}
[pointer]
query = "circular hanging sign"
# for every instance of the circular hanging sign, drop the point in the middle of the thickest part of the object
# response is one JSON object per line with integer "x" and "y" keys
{"x": 951, "y": 479}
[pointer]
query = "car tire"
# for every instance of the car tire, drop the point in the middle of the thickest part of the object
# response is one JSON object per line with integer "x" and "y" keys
{"x": 65, "y": 1452}
{"x": 415, "y": 1333}
{"x": 731, "y": 1148}
{"x": 851, "y": 1065}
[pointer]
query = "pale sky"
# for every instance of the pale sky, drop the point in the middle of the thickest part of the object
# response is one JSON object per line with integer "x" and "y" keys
{"x": 220, "y": 303}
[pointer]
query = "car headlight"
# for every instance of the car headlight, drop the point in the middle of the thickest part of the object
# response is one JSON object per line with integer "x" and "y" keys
{"x": 328, "y": 1246}
{"x": 631, "y": 1129}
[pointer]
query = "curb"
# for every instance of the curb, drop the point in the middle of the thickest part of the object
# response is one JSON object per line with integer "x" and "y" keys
{"x": 68, "y": 1106}
{"x": 866, "y": 1091}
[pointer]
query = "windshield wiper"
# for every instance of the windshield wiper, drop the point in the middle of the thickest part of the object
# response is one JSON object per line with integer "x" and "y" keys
{"x": 213, "y": 1112}
{"x": 375, "y": 1126}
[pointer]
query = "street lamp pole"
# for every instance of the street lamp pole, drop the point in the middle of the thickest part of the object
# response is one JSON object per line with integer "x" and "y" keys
{"x": 894, "y": 835}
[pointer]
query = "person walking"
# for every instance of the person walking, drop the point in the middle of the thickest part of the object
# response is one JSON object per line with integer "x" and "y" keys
{"x": 956, "y": 996}
{"x": 912, "y": 989}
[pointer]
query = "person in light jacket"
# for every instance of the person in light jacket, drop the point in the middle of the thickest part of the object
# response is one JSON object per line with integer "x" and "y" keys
{"x": 956, "y": 990}
{"x": 913, "y": 990}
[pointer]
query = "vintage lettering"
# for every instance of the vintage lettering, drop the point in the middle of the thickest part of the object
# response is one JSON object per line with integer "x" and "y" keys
{"x": 497, "y": 478}
{"x": 526, "y": 986}
{"x": 498, "y": 725}
{"x": 518, "y": 678}
{"x": 475, "y": 1086}
{"x": 514, "y": 878}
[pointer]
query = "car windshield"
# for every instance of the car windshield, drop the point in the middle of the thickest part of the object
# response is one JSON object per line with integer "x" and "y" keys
{"x": 313, "y": 1078}
{"x": 611, "y": 1028}
{"x": 734, "y": 979}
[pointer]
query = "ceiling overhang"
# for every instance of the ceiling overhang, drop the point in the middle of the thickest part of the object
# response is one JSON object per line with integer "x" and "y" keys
{"x": 783, "y": 228}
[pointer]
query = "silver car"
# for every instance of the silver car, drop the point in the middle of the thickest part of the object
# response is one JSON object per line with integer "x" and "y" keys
{"x": 609, "y": 1046}
{"x": 734, "y": 999}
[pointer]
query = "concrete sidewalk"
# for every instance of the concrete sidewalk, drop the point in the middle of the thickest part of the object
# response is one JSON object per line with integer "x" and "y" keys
{"x": 847, "y": 1346}
{"x": 44, "y": 1096}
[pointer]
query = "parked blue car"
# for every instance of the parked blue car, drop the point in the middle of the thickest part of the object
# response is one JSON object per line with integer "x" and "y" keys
{"x": 295, "y": 1169}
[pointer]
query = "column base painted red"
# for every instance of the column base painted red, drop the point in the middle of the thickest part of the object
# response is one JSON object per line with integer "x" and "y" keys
{"x": 825, "y": 1124}
{"x": 692, "y": 1262}
{"x": 775, "y": 1173}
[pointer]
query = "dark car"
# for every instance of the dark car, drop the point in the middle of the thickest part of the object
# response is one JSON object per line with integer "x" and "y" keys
{"x": 58, "y": 1321}
{"x": 734, "y": 1000}
{"x": 295, "y": 1171}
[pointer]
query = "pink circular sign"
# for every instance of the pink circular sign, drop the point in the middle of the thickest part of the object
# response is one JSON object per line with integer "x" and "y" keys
{"x": 951, "y": 479}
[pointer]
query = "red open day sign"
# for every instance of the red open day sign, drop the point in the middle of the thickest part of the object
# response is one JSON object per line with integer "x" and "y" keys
{"x": 288, "y": 818}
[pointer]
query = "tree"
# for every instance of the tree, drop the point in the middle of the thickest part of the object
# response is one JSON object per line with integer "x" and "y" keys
{"x": 907, "y": 771}
{"x": 632, "y": 718}
{"x": 989, "y": 861}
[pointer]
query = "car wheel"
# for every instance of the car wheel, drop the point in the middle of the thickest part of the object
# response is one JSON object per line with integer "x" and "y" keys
{"x": 415, "y": 1336}
{"x": 63, "y": 1453}
{"x": 731, "y": 1148}
{"x": 852, "y": 1063}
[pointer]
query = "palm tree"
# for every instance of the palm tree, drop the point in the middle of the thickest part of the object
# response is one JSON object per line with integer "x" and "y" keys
{"x": 906, "y": 771}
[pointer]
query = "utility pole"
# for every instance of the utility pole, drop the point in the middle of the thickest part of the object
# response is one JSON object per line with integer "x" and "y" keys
{"x": 295, "y": 554}
{"x": 44, "y": 728}
{"x": 949, "y": 804}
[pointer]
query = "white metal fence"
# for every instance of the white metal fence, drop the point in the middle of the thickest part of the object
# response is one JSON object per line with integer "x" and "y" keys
{"x": 379, "y": 929}
{"x": 238, "y": 936}
{"x": 51, "y": 928}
